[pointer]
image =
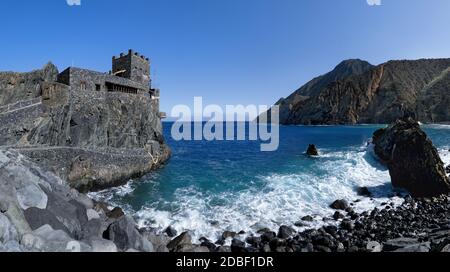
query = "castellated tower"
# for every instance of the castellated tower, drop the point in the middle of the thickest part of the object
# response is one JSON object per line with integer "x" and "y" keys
{"x": 132, "y": 66}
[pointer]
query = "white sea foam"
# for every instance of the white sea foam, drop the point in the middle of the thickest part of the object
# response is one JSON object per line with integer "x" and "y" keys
{"x": 284, "y": 199}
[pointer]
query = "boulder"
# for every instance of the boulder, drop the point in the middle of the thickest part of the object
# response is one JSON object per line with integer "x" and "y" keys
{"x": 7, "y": 230}
{"x": 92, "y": 214}
{"x": 94, "y": 228}
{"x": 31, "y": 195}
{"x": 374, "y": 246}
{"x": 12, "y": 246}
{"x": 253, "y": 240}
{"x": 447, "y": 169}
{"x": 61, "y": 214}
{"x": 32, "y": 242}
{"x": 414, "y": 163}
{"x": 115, "y": 213}
{"x": 224, "y": 249}
{"x": 4, "y": 205}
{"x": 48, "y": 233}
{"x": 268, "y": 236}
{"x": 364, "y": 191}
{"x": 237, "y": 246}
{"x": 102, "y": 245}
{"x": 86, "y": 201}
{"x": 183, "y": 239}
{"x": 126, "y": 236}
{"x": 191, "y": 249}
{"x": 170, "y": 231}
{"x": 312, "y": 150}
{"x": 347, "y": 225}
{"x": 337, "y": 215}
{"x": 207, "y": 243}
{"x": 307, "y": 218}
{"x": 38, "y": 218}
{"x": 285, "y": 232}
{"x": 228, "y": 234}
{"x": 339, "y": 204}
{"x": 446, "y": 248}
{"x": 159, "y": 242}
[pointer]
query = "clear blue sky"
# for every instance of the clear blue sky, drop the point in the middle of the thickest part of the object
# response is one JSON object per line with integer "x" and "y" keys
{"x": 228, "y": 51}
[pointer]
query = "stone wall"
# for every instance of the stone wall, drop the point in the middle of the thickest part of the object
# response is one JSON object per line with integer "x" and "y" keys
{"x": 136, "y": 67}
{"x": 96, "y": 169}
{"x": 87, "y": 80}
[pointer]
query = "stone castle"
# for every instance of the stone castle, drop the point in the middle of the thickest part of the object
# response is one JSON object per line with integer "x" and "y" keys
{"x": 130, "y": 74}
{"x": 95, "y": 130}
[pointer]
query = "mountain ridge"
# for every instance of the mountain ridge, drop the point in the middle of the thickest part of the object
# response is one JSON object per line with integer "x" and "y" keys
{"x": 357, "y": 92}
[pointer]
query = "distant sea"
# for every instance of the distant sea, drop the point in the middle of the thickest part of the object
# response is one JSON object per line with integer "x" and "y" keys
{"x": 209, "y": 187}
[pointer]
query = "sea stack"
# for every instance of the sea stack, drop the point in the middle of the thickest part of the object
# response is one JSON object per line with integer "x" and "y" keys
{"x": 414, "y": 163}
{"x": 312, "y": 150}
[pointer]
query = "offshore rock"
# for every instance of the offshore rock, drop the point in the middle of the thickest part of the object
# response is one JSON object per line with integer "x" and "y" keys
{"x": 414, "y": 163}
{"x": 312, "y": 150}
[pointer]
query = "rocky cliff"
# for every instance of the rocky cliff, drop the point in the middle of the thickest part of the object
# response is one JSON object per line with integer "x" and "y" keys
{"x": 357, "y": 92}
{"x": 91, "y": 139}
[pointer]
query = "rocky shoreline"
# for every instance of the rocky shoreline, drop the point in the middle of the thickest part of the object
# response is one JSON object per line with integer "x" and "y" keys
{"x": 415, "y": 226}
{"x": 70, "y": 221}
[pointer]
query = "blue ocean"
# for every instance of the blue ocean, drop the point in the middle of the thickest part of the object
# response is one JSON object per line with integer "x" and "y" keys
{"x": 211, "y": 186}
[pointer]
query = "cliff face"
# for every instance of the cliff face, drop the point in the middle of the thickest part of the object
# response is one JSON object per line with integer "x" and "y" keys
{"x": 92, "y": 139}
{"x": 16, "y": 87}
{"x": 357, "y": 92}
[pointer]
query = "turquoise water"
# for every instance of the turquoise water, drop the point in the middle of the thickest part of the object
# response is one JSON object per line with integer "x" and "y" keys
{"x": 209, "y": 187}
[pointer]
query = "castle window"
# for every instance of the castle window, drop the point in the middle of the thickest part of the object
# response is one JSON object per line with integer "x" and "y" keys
{"x": 83, "y": 86}
{"x": 97, "y": 87}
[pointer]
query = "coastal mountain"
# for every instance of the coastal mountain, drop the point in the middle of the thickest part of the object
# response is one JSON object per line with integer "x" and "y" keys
{"x": 358, "y": 92}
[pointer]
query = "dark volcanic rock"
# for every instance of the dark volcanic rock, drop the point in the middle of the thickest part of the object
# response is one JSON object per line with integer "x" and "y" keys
{"x": 115, "y": 213}
{"x": 237, "y": 246}
{"x": 364, "y": 191}
{"x": 312, "y": 150}
{"x": 228, "y": 234}
{"x": 126, "y": 236}
{"x": 183, "y": 239}
{"x": 414, "y": 163}
{"x": 337, "y": 215}
{"x": 447, "y": 169}
{"x": 170, "y": 231}
{"x": 285, "y": 232}
{"x": 268, "y": 236}
{"x": 340, "y": 204}
{"x": 307, "y": 218}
